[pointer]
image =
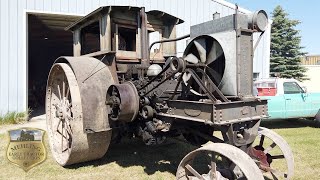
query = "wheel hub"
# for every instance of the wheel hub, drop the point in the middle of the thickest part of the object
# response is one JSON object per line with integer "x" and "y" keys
{"x": 258, "y": 154}
{"x": 63, "y": 110}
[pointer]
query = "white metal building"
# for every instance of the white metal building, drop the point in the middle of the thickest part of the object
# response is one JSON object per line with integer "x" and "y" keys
{"x": 24, "y": 23}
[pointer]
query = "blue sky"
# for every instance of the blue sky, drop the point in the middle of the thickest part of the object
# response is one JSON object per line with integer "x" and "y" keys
{"x": 305, "y": 11}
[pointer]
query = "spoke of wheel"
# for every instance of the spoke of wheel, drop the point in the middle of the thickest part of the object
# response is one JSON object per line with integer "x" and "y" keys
{"x": 67, "y": 148}
{"x": 275, "y": 174}
{"x": 194, "y": 172}
{"x": 68, "y": 127}
{"x": 67, "y": 93}
{"x": 261, "y": 141}
{"x": 69, "y": 117}
{"x": 63, "y": 91}
{"x": 62, "y": 136}
{"x": 213, "y": 166}
{"x": 58, "y": 125}
{"x": 59, "y": 92}
{"x": 69, "y": 138}
{"x": 277, "y": 157}
{"x": 267, "y": 150}
{"x": 213, "y": 162}
{"x": 66, "y": 132}
{"x": 69, "y": 106}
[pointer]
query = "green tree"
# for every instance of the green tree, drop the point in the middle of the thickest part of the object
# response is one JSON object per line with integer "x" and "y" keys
{"x": 285, "y": 47}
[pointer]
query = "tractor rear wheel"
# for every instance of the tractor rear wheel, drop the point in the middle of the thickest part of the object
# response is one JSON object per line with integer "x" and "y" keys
{"x": 68, "y": 141}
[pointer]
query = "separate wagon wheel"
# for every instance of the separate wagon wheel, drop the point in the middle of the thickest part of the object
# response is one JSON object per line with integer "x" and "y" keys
{"x": 273, "y": 154}
{"x": 68, "y": 142}
{"x": 217, "y": 161}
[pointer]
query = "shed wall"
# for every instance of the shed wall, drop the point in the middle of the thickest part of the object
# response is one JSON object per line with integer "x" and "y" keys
{"x": 312, "y": 73}
{"x": 13, "y": 42}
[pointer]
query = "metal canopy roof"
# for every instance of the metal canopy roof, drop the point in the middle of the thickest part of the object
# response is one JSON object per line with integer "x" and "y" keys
{"x": 105, "y": 9}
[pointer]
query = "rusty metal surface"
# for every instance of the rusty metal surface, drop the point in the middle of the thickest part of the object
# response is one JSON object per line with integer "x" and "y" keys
{"x": 144, "y": 39}
{"x": 245, "y": 64}
{"x": 169, "y": 40}
{"x": 218, "y": 25}
{"x": 235, "y": 35}
{"x": 64, "y": 108}
{"x": 217, "y": 154}
{"x": 94, "y": 79}
{"x": 124, "y": 101}
{"x": 219, "y": 113}
{"x": 102, "y": 10}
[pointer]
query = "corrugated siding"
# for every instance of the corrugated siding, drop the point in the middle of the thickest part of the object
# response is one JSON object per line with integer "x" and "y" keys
{"x": 261, "y": 60}
{"x": 13, "y": 80}
{"x": 310, "y": 60}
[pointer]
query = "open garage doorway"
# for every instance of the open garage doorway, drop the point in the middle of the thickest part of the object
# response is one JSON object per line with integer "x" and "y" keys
{"x": 47, "y": 40}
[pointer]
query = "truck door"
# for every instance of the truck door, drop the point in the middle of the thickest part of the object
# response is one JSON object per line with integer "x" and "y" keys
{"x": 312, "y": 103}
{"x": 295, "y": 100}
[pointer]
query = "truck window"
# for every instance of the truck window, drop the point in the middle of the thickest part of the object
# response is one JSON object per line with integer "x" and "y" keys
{"x": 266, "y": 84}
{"x": 266, "y": 88}
{"x": 291, "y": 88}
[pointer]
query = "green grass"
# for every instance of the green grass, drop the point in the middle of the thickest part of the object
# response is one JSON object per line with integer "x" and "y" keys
{"x": 132, "y": 160}
{"x": 14, "y": 117}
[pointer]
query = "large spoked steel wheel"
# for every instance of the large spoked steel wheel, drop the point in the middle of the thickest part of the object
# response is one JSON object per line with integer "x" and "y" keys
{"x": 218, "y": 161}
{"x": 63, "y": 106}
{"x": 68, "y": 141}
{"x": 273, "y": 154}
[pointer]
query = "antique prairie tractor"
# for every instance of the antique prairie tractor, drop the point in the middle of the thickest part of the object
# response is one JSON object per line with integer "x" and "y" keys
{"x": 125, "y": 80}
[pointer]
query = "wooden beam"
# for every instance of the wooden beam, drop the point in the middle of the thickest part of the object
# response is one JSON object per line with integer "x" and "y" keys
{"x": 105, "y": 32}
{"x": 76, "y": 43}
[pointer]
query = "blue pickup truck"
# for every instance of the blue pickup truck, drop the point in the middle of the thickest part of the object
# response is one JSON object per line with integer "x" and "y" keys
{"x": 288, "y": 99}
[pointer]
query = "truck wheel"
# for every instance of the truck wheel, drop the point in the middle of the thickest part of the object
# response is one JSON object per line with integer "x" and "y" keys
{"x": 69, "y": 142}
{"x": 317, "y": 118}
{"x": 218, "y": 161}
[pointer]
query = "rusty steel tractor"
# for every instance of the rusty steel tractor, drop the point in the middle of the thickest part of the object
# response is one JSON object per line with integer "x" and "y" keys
{"x": 126, "y": 80}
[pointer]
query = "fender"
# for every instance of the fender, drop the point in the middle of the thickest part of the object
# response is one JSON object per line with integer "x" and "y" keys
{"x": 94, "y": 79}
